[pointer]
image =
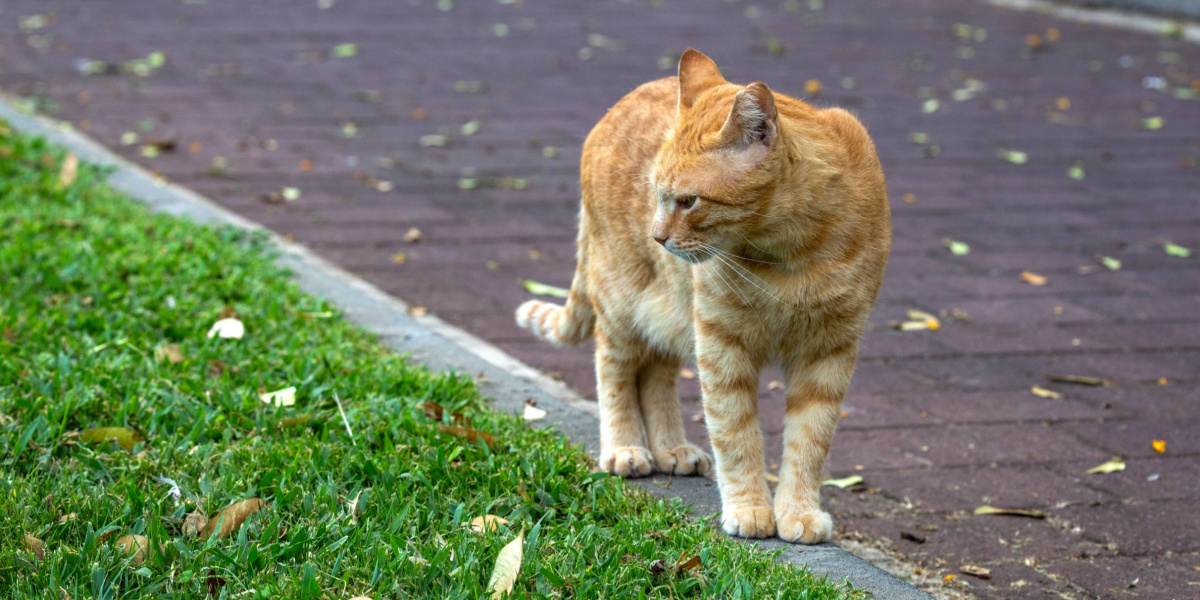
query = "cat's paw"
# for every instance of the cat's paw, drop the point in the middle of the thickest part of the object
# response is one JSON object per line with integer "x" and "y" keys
{"x": 749, "y": 521}
{"x": 687, "y": 459}
{"x": 627, "y": 461}
{"x": 804, "y": 526}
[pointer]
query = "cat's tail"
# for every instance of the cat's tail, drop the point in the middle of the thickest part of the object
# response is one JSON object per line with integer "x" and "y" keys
{"x": 560, "y": 325}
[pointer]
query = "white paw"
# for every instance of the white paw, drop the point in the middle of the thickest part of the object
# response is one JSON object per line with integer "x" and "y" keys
{"x": 804, "y": 526}
{"x": 687, "y": 459}
{"x": 627, "y": 461}
{"x": 749, "y": 521}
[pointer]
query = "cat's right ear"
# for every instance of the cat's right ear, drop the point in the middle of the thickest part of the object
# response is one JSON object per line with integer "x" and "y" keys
{"x": 697, "y": 73}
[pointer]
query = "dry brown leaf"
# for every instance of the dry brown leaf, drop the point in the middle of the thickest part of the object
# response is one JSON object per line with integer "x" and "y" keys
{"x": 688, "y": 564}
{"x": 123, "y": 436}
{"x": 69, "y": 170}
{"x": 230, "y": 519}
{"x": 469, "y": 434}
{"x": 134, "y": 545}
{"x": 35, "y": 545}
{"x": 1042, "y": 392}
{"x": 1011, "y": 512}
{"x": 170, "y": 353}
{"x": 487, "y": 523}
{"x": 194, "y": 523}
{"x": 976, "y": 571}
{"x": 508, "y": 566}
{"x": 1033, "y": 278}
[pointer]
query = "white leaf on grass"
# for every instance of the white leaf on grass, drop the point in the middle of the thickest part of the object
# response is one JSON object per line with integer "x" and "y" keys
{"x": 533, "y": 413}
{"x": 227, "y": 329}
{"x": 283, "y": 397}
{"x": 508, "y": 566}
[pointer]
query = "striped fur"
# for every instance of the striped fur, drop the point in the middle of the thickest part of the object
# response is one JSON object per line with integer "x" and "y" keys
{"x": 736, "y": 227}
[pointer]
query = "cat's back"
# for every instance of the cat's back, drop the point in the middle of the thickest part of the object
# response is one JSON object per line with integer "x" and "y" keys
{"x": 622, "y": 145}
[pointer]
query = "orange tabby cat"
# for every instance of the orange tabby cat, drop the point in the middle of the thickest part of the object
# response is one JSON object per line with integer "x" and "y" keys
{"x": 737, "y": 226}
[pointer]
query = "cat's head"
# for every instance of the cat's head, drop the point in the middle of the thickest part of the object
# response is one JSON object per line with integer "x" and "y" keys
{"x": 714, "y": 175}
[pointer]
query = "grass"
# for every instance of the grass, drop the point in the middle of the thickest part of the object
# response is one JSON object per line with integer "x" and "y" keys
{"x": 96, "y": 289}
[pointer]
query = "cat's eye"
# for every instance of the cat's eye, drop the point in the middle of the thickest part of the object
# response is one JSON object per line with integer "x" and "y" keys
{"x": 686, "y": 202}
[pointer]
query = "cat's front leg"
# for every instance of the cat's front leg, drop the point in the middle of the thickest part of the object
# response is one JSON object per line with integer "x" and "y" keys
{"x": 729, "y": 384}
{"x": 622, "y": 433}
{"x": 815, "y": 390}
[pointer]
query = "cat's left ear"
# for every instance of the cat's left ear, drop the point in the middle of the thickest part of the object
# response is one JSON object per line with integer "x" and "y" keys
{"x": 753, "y": 118}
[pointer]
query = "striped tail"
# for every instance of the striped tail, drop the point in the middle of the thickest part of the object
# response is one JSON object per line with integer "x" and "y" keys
{"x": 559, "y": 325}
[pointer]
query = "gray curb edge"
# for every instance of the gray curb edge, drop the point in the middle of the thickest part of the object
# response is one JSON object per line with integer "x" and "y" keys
{"x": 440, "y": 346}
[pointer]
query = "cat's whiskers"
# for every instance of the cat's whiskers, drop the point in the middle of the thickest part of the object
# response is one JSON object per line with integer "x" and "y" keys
{"x": 741, "y": 271}
{"x": 724, "y": 281}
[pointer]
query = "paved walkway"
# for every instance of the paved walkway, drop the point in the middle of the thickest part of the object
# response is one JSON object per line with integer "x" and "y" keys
{"x": 466, "y": 124}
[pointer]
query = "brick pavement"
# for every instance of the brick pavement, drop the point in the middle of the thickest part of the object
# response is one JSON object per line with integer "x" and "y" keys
{"x": 937, "y": 422}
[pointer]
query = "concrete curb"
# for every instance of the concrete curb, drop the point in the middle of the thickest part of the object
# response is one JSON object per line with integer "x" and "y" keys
{"x": 1108, "y": 17}
{"x": 440, "y": 346}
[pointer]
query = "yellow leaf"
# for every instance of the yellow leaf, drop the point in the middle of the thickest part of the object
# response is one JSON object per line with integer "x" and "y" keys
{"x": 541, "y": 289}
{"x": 123, "y": 436}
{"x": 487, "y": 523}
{"x": 230, "y": 519}
{"x": 812, "y": 87}
{"x": 134, "y": 545}
{"x": 1111, "y": 466}
{"x": 1042, "y": 392}
{"x": 772, "y": 478}
{"x": 1160, "y": 446}
{"x": 508, "y": 566}
{"x": 399, "y": 258}
{"x": 948, "y": 578}
{"x": 1033, "y": 278}
{"x": 844, "y": 482}
{"x": 70, "y": 168}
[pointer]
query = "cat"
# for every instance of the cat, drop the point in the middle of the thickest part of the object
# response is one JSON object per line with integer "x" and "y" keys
{"x": 736, "y": 226}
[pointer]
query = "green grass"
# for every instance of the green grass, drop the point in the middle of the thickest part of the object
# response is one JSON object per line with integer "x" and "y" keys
{"x": 92, "y": 284}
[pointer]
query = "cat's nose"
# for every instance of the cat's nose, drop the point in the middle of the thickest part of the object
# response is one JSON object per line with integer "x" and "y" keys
{"x": 662, "y": 240}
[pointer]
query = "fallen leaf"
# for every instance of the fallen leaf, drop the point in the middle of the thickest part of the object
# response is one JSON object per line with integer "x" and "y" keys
{"x": 487, "y": 523}
{"x": 469, "y": 434}
{"x": 976, "y": 571}
{"x": 956, "y": 247}
{"x": 1011, "y": 512}
{"x": 533, "y": 413}
{"x": 470, "y": 127}
{"x": 845, "y": 482}
{"x": 1153, "y": 123}
{"x": 433, "y": 140}
{"x": 418, "y": 311}
{"x": 282, "y": 397}
{"x": 169, "y": 352}
{"x": 689, "y": 564}
{"x": 1076, "y": 171}
{"x": 909, "y": 198}
{"x": 1033, "y": 278}
{"x": 1079, "y": 379}
{"x": 70, "y": 168}
{"x": 1042, "y": 392}
{"x": 774, "y": 384}
{"x": 772, "y": 478}
{"x": 344, "y": 50}
{"x": 687, "y": 373}
{"x": 1110, "y": 263}
{"x": 542, "y": 289}
{"x": 1015, "y": 157}
{"x": 1112, "y": 466}
{"x": 1160, "y": 446}
{"x": 1176, "y": 250}
{"x": 912, "y": 537}
{"x": 194, "y": 523}
{"x": 291, "y": 194}
{"x": 135, "y": 546}
{"x": 399, "y": 258}
{"x": 658, "y": 567}
{"x": 949, "y": 578}
{"x": 230, "y": 518}
{"x": 413, "y": 235}
{"x": 35, "y": 545}
{"x": 930, "y": 105}
{"x": 123, "y": 436}
{"x": 920, "y": 320}
{"x": 230, "y": 328}
{"x": 508, "y": 566}
{"x": 812, "y": 87}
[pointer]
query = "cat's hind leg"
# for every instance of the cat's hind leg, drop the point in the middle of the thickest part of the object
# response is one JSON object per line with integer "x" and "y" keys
{"x": 623, "y": 448}
{"x": 659, "y": 398}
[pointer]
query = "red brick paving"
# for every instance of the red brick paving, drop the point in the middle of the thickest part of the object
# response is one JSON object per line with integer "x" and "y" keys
{"x": 937, "y": 422}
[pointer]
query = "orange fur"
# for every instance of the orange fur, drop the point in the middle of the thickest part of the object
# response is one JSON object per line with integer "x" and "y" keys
{"x": 736, "y": 226}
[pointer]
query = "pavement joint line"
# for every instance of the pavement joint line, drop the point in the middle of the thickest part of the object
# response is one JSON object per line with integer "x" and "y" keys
{"x": 441, "y": 346}
{"x": 1107, "y": 17}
